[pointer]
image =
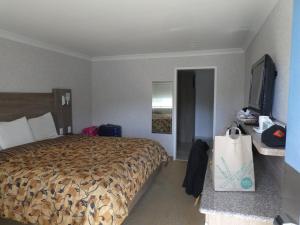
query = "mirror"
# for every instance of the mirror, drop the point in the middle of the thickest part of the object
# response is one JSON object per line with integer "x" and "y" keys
{"x": 162, "y": 105}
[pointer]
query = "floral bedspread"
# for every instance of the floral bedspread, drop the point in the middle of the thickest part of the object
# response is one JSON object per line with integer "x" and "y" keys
{"x": 75, "y": 179}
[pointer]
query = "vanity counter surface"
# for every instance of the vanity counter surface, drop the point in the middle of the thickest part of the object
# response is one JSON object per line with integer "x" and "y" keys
{"x": 263, "y": 204}
{"x": 261, "y": 147}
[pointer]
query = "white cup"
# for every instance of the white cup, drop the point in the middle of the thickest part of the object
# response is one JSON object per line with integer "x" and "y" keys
{"x": 262, "y": 120}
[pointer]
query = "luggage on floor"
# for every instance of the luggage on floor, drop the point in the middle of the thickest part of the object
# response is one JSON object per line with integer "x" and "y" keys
{"x": 196, "y": 169}
{"x": 110, "y": 130}
{"x": 90, "y": 131}
{"x": 233, "y": 162}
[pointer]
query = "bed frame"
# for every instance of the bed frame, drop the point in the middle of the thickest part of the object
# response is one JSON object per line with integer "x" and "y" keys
{"x": 144, "y": 189}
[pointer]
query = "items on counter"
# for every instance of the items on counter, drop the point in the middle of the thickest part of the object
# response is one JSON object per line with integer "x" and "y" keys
{"x": 274, "y": 137}
{"x": 233, "y": 168}
{"x": 264, "y": 123}
{"x": 246, "y": 117}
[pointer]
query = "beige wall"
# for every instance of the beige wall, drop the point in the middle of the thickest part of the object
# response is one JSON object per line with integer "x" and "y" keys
{"x": 121, "y": 91}
{"x": 24, "y": 68}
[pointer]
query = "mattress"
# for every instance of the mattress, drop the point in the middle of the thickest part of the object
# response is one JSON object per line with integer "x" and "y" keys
{"x": 75, "y": 179}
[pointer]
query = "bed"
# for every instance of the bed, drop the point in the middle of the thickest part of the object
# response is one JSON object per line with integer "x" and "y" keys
{"x": 76, "y": 179}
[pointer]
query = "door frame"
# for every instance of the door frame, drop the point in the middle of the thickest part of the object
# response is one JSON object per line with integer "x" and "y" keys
{"x": 174, "y": 120}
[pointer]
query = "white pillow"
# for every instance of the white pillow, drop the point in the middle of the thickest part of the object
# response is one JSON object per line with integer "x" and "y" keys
{"x": 15, "y": 133}
{"x": 43, "y": 127}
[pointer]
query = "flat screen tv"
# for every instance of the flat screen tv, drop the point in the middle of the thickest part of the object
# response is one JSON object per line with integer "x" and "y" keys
{"x": 262, "y": 86}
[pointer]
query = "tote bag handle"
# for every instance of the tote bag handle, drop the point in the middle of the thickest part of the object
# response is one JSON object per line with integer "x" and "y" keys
{"x": 234, "y": 129}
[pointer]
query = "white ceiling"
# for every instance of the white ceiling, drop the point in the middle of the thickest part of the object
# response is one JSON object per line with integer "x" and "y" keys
{"x": 121, "y": 27}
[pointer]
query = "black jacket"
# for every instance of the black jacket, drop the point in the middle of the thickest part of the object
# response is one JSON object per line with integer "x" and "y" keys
{"x": 196, "y": 169}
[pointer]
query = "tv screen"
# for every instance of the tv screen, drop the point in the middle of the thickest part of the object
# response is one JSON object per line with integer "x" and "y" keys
{"x": 256, "y": 86}
{"x": 262, "y": 86}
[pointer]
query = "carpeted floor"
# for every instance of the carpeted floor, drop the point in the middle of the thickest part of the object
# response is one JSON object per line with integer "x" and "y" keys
{"x": 183, "y": 150}
{"x": 165, "y": 203}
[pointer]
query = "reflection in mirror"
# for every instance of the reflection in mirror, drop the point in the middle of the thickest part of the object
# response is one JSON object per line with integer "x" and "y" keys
{"x": 162, "y": 104}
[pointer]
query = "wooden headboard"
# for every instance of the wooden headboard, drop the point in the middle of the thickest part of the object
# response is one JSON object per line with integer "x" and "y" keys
{"x": 15, "y": 105}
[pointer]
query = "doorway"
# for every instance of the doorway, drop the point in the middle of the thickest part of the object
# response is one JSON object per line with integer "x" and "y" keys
{"x": 195, "y": 109}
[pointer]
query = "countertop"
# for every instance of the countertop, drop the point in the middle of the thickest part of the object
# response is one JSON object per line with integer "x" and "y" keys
{"x": 263, "y": 204}
{"x": 259, "y": 145}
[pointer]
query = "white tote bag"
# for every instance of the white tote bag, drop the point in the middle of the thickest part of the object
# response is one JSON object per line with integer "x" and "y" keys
{"x": 233, "y": 162}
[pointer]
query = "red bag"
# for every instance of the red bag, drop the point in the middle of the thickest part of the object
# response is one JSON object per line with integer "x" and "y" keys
{"x": 90, "y": 131}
